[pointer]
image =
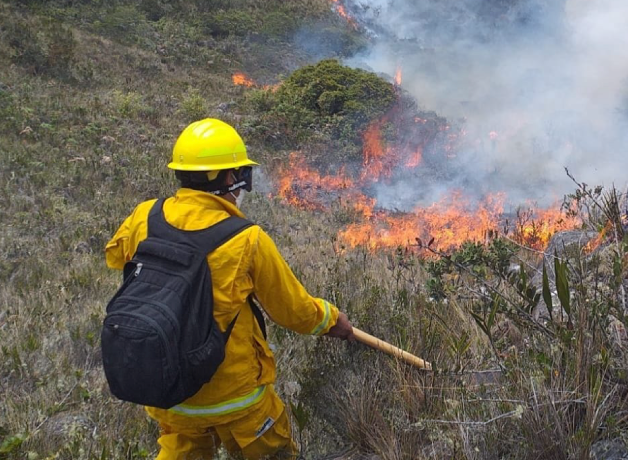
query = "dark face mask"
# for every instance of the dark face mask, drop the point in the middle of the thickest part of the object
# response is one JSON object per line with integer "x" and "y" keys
{"x": 243, "y": 178}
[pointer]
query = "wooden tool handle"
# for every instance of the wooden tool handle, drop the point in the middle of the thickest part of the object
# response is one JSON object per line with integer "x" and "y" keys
{"x": 374, "y": 342}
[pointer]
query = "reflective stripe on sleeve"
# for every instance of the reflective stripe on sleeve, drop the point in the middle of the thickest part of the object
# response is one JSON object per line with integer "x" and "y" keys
{"x": 323, "y": 324}
{"x": 223, "y": 408}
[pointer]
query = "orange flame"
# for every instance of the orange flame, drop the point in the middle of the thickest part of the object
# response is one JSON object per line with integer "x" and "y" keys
{"x": 415, "y": 159}
{"x": 398, "y": 75}
{"x": 364, "y": 205}
{"x": 374, "y": 153}
{"x": 242, "y": 79}
{"x": 302, "y": 186}
{"x": 340, "y": 9}
{"x": 271, "y": 88}
{"x": 449, "y": 222}
{"x": 536, "y": 226}
{"x": 599, "y": 239}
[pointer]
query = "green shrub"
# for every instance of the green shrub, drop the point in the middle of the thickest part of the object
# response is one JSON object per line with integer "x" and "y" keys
{"x": 61, "y": 46}
{"x": 260, "y": 100}
{"x": 224, "y": 23}
{"x": 356, "y": 94}
{"x": 213, "y": 5}
{"x": 279, "y": 25}
{"x": 122, "y": 18}
{"x": 9, "y": 111}
{"x": 326, "y": 99}
{"x": 193, "y": 106}
{"x": 154, "y": 9}
{"x": 43, "y": 48}
{"x": 128, "y": 105}
{"x": 26, "y": 48}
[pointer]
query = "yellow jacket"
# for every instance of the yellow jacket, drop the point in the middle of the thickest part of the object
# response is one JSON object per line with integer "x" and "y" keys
{"x": 247, "y": 264}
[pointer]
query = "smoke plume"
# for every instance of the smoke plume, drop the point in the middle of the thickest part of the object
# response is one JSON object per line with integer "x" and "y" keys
{"x": 537, "y": 88}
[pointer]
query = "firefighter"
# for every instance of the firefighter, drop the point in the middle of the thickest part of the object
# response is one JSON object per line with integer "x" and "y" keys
{"x": 238, "y": 408}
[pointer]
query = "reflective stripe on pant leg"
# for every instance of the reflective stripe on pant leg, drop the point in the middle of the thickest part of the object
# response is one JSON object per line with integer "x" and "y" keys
{"x": 226, "y": 407}
{"x": 264, "y": 431}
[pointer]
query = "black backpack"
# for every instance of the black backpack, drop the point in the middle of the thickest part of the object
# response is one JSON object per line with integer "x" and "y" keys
{"x": 160, "y": 342}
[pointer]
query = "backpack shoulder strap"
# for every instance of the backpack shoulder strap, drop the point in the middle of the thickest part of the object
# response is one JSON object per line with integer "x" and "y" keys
{"x": 258, "y": 315}
{"x": 157, "y": 224}
{"x": 215, "y": 236}
{"x": 206, "y": 240}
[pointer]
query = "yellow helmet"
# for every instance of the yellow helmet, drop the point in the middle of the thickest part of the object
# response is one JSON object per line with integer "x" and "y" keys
{"x": 209, "y": 145}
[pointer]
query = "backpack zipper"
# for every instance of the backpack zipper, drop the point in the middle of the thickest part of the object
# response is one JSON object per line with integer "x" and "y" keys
{"x": 138, "y": 269}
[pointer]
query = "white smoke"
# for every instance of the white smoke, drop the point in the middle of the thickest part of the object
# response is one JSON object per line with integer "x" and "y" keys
{"x": 551, "y": 82}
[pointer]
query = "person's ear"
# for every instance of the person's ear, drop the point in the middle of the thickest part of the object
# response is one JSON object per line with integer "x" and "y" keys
{"x": 225, "y": 178}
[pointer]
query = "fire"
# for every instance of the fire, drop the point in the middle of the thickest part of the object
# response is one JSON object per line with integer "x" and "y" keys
{"x": 341, "y": 10}
{"x": 599, "y": 239}
{"x": 375, "y": 153}
{"x": 379, "y": 159}
{"x": 449, "y": 222}
{"x": 304, "y": 187}
{"x": 271, "y": 88}
{"x": 364, "y": 205}
{"x": 398, "y": 75}
{"x": 242, "y": 79}
{"x": 536, "y": 226}
{"x": 415, "y": 159}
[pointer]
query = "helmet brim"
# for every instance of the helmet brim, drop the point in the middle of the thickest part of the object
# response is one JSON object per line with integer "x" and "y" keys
{"x": 195, "y": 167}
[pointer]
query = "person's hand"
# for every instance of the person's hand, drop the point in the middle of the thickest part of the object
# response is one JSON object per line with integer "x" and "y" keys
{"x": 343, "y": 329}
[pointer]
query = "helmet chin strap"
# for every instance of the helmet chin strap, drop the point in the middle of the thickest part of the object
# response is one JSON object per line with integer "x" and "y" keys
{"x": 238, "y": 198}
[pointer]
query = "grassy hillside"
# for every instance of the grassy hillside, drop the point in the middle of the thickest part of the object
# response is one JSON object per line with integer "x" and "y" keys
{"x": 92, "y": 96}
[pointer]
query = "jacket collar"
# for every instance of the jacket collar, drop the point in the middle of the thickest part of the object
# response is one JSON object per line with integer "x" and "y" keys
{"x": 206, "y": 200}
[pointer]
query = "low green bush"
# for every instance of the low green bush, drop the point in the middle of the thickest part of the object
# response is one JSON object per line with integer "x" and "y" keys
{"x": 155, "y": 9}
{"x": 326, "y": 100}
{"x": 193, "y": 106}
{"x": 43, "y": 47}
{"x": 224, "y": 23}
{"x": 9, "y": 111}
{"x": 279, "y": 25}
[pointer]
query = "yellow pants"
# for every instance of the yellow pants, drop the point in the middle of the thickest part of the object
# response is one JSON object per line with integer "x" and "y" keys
{"x": 263, "y": 433}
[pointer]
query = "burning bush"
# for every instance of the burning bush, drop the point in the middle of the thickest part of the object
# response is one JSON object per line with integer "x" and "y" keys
{"x": 329, "y": 101}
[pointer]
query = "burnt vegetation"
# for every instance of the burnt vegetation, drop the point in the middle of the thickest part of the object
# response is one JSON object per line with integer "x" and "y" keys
{"x": 529, "y": 347}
